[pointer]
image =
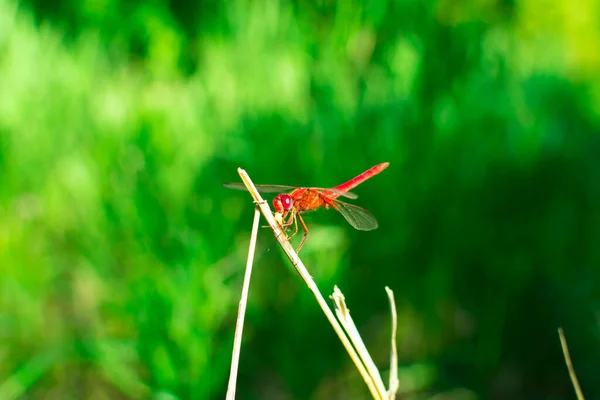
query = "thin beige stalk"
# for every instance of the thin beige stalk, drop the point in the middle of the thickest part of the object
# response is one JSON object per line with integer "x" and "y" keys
{"x": 565, "y": 349}
{"x": 239, "y": 325}
{"x": 394, "y": 383}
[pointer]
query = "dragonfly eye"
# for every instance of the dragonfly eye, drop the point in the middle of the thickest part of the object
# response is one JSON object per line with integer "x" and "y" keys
{"x": 283, "y": 203}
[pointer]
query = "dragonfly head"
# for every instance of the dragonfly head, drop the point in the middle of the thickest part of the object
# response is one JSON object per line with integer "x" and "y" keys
{"x": 283, "y": 203}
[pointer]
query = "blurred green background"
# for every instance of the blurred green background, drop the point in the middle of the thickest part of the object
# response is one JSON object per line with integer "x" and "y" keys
{"x": 122, "y": 256}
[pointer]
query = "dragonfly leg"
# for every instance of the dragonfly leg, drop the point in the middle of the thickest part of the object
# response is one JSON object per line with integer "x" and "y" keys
{"x": 295, "y": 221}
{"x": 291, "y": 219}
{"x": 286, "y": 224}
{"x": 305, "y": 233}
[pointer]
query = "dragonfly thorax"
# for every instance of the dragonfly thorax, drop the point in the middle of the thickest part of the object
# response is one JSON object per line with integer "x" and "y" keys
{"x": 283, "y": 203}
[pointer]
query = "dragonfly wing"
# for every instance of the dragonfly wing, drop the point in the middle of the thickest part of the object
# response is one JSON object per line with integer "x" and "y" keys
{"x": 348, "y": 195}
{"x": 261, "y": 188}
{"x": 285, "y": 188}
{"x": 356, "y": 216}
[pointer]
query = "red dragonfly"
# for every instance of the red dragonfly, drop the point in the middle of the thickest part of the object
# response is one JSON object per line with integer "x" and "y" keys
{"x": 289, "y": 207}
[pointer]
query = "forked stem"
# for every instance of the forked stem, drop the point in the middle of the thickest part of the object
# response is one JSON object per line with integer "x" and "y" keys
{"x": 343, "y": 313}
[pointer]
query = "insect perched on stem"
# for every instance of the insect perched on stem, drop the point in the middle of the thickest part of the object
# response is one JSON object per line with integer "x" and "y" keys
{"x": 290, "y": 206}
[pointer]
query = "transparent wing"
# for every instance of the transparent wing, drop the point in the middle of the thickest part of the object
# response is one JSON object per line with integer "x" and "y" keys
{"x": 284, "y": 188}
{"x": 348, "y": 195}
{"x": 261, "y": 188}
{"x": 356, "y": 216}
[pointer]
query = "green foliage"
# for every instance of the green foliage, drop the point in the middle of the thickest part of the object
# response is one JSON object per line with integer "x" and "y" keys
{"x": 121, "y": 254}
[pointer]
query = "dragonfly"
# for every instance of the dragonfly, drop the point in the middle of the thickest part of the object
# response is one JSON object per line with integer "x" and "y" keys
{"x": 290, "y": 206}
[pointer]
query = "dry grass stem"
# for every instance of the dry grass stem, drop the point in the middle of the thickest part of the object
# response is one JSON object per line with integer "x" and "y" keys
{"x": 343, "y": 314}
{"x": 565, "y": 349}
{"x": 394, "y": 384}
{"x": 239, "y": 325}
{"x": 291, "y": 254}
